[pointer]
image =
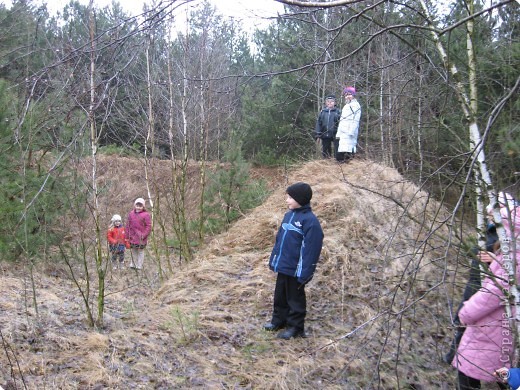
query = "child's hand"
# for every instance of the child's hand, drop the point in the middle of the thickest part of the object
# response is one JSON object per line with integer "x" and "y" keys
{"x": 486, "y": 257}
{"x": 502, "y": 374}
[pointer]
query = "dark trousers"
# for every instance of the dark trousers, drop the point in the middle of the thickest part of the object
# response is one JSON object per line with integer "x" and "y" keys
{"x": 117, "y": 254}
{"x": 290, "y": 303}
{"x": 465, "y": 382}
{"x": 326, "y": 147}
{"x": 344, "y": 156}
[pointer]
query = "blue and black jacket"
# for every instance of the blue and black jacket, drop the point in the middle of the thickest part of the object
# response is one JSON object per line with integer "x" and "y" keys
{"x": 298, "y": 245}
{"x": 327, "y": 123}
{"x": 513, "y": 378}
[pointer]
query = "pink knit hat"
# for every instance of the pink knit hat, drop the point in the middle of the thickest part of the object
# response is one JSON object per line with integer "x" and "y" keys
{"x": 349, "y": 89}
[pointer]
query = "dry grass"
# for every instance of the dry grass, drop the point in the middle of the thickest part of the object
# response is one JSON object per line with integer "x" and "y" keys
{"x": 377, "y": 311}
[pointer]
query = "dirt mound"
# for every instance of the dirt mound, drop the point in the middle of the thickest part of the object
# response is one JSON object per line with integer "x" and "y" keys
{"x": 378, "y": 297}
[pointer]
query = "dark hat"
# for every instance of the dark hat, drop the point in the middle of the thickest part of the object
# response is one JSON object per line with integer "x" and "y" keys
{"x": 331, "y": 97}
{"x": 300, "y": 192}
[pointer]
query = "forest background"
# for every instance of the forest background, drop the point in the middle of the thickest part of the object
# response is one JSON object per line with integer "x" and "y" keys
{"x": 438, "y": 88}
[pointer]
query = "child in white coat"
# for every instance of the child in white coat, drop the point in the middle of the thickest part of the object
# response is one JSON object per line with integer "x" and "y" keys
{"x": 348, "y": 128}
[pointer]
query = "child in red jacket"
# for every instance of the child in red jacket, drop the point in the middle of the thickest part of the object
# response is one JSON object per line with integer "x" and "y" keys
{"x": 117, "y": 241}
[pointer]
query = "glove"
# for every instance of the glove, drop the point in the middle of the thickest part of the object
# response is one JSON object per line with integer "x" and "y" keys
{"x": 127, "y": 244}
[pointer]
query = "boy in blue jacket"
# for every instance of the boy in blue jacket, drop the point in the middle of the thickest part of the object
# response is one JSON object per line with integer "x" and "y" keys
{"x": 294, "y": 257}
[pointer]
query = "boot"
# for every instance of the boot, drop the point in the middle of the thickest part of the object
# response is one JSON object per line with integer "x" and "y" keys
{"x": 291, "y": 332}
{"x": 270, "y": 327}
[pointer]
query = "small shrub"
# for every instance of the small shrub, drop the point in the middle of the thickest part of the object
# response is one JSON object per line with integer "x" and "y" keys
{"x": 187, "y": 324}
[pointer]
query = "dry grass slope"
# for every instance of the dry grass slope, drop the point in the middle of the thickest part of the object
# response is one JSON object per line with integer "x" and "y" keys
{"x": 377, "y": 315}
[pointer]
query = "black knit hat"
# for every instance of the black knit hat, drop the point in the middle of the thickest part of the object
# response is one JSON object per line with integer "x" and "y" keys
{"x": 300, "y": 192}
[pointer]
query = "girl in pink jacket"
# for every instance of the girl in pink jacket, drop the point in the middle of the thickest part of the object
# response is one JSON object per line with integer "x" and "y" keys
{"x": 487, "y": 343}
{"x": 138, "y": 227}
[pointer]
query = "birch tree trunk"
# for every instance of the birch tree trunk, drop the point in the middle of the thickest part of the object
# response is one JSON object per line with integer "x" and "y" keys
{"x": 101, "y": 271}
{"x": 202, "y": 135}
{"x": 419, "y": 130}
{"x": 150, "y": 141}
{"x": 381, "y": 114}
{"x": 183, "y": 238}
{"x": 366, "y": 111}
{"x": 180, "y": 178}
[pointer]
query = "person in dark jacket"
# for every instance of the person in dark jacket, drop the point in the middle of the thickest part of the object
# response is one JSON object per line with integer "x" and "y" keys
{"x": 327, "y": 125}
{"x": 474, "y": 283}
{"x": 294, "y": 257}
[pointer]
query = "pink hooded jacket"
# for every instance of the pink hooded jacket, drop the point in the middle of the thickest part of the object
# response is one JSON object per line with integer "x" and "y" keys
{"x": 138, "y": 227}
{"x": 487, "y": 343}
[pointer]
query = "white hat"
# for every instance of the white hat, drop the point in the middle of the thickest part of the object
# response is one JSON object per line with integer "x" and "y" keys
{"x": 139, "y": 200}
{"x": 116, "y": 217}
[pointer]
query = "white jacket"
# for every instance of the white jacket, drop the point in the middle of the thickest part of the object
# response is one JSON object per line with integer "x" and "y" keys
{"x": 348, "y": 127}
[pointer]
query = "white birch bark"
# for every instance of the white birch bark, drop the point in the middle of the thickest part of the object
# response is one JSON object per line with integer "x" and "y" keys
{"x": 94, "y": 145}
{"x": 381, "y": 113}
{"x": 149, "y": 141}
{"x": 203, "y": 137}
{"x": 419, "y": 131}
